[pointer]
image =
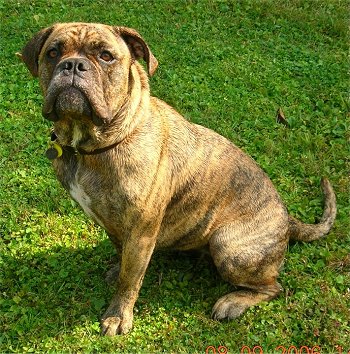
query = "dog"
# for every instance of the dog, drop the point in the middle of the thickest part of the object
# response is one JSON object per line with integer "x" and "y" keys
{"x": 152, "y": 179}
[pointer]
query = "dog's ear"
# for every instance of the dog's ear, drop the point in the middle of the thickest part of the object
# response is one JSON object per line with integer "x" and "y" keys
{"x": 30, "y": 52}
{"x": 138, "y": 47}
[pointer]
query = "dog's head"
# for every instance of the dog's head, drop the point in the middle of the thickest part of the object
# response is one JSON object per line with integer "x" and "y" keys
{"x": 85, "y": 72}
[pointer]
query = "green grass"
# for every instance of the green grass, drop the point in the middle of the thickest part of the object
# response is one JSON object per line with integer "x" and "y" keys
{"x": 228, "y": 65}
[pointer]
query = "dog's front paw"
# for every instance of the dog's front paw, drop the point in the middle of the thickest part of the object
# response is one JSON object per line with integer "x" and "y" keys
{"x": 113, "y": 325}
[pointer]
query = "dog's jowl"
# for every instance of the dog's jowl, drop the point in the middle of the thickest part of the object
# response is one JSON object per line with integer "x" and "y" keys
{"x": 152, "y": 179}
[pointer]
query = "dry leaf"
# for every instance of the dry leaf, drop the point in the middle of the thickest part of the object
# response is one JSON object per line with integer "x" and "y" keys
{"x": 280, "y": 118}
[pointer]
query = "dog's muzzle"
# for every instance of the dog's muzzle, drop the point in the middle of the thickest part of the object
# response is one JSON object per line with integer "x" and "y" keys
{"x": 70, "y": 93}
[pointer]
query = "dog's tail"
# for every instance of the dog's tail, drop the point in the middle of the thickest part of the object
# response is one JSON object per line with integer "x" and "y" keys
{"x": 309, "y": 232}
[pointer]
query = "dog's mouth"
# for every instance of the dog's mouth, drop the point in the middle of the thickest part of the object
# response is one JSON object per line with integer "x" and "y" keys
{"x": 71, "y": 102}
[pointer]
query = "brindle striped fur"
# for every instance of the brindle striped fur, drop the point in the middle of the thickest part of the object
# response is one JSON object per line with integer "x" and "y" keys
{"x": 168, "y": 183}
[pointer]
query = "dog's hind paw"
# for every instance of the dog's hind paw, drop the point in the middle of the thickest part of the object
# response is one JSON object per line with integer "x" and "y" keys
{"x": 113, "y": 274}
{"x": 234, "y": 304}
{"x": 227, "y": 307}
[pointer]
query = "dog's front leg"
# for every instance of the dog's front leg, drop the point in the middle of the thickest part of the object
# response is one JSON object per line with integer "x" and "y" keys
{"x": 136, "y": 254}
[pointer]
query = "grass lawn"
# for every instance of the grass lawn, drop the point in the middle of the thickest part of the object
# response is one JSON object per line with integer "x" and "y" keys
{"x": 228, "y": 65}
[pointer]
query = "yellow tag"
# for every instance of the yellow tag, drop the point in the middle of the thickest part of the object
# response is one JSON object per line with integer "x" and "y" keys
{"x": 58, "y": 149}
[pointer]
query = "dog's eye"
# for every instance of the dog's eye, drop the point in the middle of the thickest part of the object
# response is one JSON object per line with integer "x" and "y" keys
{"x": 52, "y": 53}
{"x": 106, "y": 56}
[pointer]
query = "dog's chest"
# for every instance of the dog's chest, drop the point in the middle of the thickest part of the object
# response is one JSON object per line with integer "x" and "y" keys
{"x": 78, "y": 193}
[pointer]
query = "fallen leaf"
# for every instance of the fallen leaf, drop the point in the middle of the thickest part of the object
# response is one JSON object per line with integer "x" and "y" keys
{"x": 280, "y": 118}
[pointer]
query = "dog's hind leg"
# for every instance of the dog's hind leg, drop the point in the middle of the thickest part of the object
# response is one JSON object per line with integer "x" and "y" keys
{"x": 250, "y": 258}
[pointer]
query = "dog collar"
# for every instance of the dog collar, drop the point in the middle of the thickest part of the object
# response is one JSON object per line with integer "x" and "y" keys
{"x": 55, "y": 150}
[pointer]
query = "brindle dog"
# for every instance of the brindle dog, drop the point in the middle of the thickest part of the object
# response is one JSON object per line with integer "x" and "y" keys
{"x": 152, "y": 179}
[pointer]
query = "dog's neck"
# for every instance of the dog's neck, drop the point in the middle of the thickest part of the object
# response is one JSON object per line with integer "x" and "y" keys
{"x": 132, "y": 112}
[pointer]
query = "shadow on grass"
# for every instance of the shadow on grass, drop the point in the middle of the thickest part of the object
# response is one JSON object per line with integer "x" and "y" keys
{"x": 55, "y": 291}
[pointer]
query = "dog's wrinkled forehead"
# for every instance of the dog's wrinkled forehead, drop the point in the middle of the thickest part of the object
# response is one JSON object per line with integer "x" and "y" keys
{"x": 81, "y": 37}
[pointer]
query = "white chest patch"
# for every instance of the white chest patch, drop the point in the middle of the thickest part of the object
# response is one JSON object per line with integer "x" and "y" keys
{"x": 77, "y": 135}
{"x": 79, "y": 195}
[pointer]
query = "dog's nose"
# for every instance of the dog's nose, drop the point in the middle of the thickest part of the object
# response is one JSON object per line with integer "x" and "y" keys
{"x": 72, "y": 66}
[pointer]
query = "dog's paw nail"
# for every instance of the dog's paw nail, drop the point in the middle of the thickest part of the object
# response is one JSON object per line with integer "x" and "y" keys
{"x": 109, "y": 326}
{"x": 112, "y": 326}
{"x": 226, "y": 309}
